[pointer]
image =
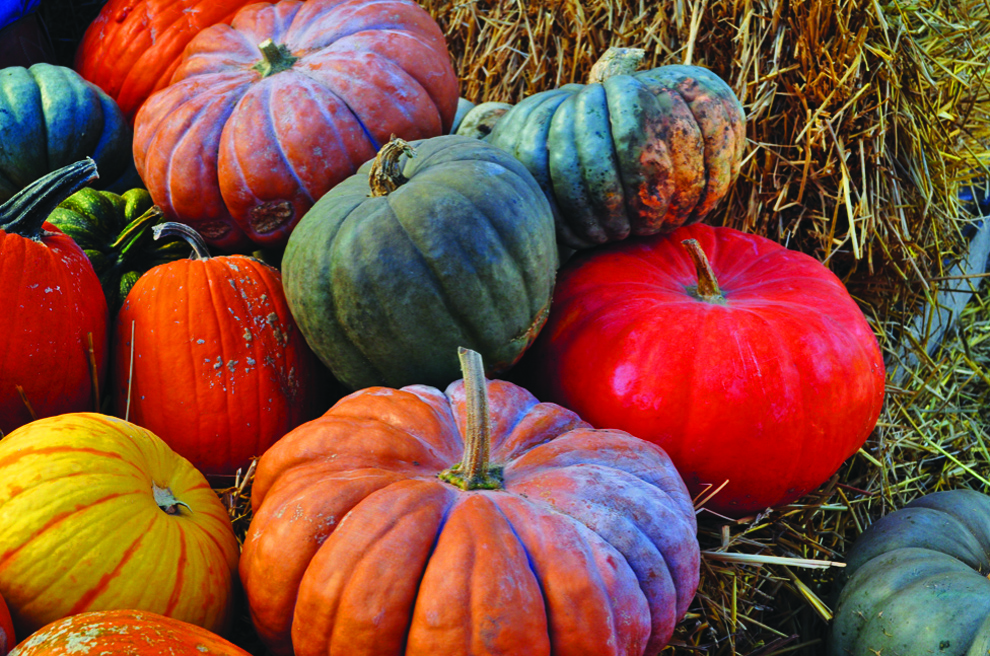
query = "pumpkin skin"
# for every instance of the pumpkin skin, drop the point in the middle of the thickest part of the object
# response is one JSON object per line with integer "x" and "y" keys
{"x": 241, "y": 151}
{"x": 593, "y": 528}
{"x": 635, "y": 154}
{"x": 125, "y": 632}
{"x": 771, "y": 388}
{"x": 50, "y": 117}
{"x": 115, "y": 233}
{"x": 7, "y": 637}
{"x": 86, "y": 524}
{"x": 385, "y": 288}
{"x": 915, "y": 581}
{"x": 50, "y": 303}
{"x": 216, "y": 367}
{"x": 133, "y": 47}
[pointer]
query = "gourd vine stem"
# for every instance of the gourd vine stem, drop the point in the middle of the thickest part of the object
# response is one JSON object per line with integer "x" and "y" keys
{"x": 27, "y": 210}
{"x": 707, "y": 289}
{"x": 616, "y": 61}
{"x": 193, "y": 238}
{"x": 276, "y": 58}
{"x": 385, "y": 175}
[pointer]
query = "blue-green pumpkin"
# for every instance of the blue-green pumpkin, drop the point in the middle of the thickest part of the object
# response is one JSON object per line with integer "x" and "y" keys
{"x": 51, "y": 117}
{"x": 414, "y": 256}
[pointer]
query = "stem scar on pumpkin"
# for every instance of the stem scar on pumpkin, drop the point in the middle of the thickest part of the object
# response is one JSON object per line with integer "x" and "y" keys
{"x": 707, "y": 288}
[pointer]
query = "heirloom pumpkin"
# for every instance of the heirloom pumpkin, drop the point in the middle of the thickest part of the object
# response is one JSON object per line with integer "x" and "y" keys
{"x": 752, "y": 365}
{"x": 115, "y": 233}
{"x": 443, "y": 243}
{"x": 133, "y": 47}
{"x": 49, "y": 118}
{"x": 629, "y": 153}
{"x": 916, "y": 581}
{"x": 208, "y": 358}
{"x": 471, "y": 521}
{"x": 98, "y": 514}
{"x": 266, "y": 115}
{"x": 7, "y": 639}
{"x": 53, "y": 315}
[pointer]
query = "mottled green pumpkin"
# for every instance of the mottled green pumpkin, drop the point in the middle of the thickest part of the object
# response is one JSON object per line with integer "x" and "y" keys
{"x": 385, "y": 285}
{"x": 915, "y": 583}
{"x": 630, "y": 153}
{"x": 51, "y": 117}
{"x": 115, "y": 233}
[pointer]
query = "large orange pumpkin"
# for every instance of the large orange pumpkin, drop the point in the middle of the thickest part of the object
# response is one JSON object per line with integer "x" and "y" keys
{"x": 266, "y": 115}
{"x": 370, "y": 538}
{"x": 125, "y": 632}
{"x": 99, "y": 514}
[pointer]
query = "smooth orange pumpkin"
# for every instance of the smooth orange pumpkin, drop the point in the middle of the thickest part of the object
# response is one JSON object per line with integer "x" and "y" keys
{"x": 370, "y": 538}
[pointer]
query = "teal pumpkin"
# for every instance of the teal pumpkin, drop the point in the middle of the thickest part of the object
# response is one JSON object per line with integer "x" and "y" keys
{"x": 915, "y": 582}
{"x": 51, "y": 117}
{"x": 387, "y": 275}
{"x": 631, "y": 153}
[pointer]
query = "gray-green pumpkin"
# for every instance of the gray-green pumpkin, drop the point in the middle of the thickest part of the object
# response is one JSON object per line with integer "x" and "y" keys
{"x": 630, "y": 153}
{"x": 915, "y": 583}
{"x": 414, "y": 256}
{"x": 51, "y": 117}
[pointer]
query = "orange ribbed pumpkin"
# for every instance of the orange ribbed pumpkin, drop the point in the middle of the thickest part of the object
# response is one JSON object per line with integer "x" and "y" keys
{"x": 133, "y": 47}
{"x": 369, "y": 539}
{"x": 216, "y": 366}
{"x": 99, "y": 514}
{"x": 125, "y": 632}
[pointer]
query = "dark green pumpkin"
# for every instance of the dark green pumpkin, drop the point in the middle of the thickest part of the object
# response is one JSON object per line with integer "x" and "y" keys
{"x": 916, "y": 582}
{"x": 115, "y": 233}
{"x": 51, "y": 117}
{"x": 462, "y": 253}
{"x": 637, "y": 153}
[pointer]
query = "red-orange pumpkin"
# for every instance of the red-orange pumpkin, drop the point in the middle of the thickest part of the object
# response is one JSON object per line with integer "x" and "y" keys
{"x": 264, "y": 116}
{"x": 139, "y": 633}
{"x": 7, "y": 639}
{"x": 208, "y": 357}
{"x": 366, "y": 541}
{"x": 133, "y": 47}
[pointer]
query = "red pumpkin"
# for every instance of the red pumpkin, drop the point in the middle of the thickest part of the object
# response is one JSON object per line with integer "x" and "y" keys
{"x": 7, "y": 639}
{"x": 139, "y": 633}
{"x": 133, "y": 47}
{"x": 208, "y": 357}
{"x": 265, "y": 116}
{"x": 52, "y": 307}
{"x": 769, "y": 380}
{"x": 370, "y": 538}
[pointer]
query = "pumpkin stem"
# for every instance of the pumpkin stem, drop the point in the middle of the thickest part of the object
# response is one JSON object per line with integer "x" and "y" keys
{"x": 165, "y": 500}
{"x": 385, "y": 175}
{"x": 25, "y": 212}
{"x": 474, "y": 472}
{"x": 172, "y": 228}
{"x": 616, "y": 61}
{"x": 275, "y": 58}
{"x": 707, "y": 289}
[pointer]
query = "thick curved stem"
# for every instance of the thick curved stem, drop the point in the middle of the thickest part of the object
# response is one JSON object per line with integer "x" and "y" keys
{"x": 193, "y": 238}
{"x": 616, "y": 61}
{"x": 707, "y": 289}
{"x": 165, "y": 500}
{"x": 29, "y": 208}
{"x": 275, "y": 58}
{"x": 385, "y": 175}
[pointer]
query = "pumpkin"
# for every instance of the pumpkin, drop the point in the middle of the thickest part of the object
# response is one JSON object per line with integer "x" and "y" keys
{"x": 132, "y": 48}
{"x": 53, "y": 315}
{"x": 125, "y": 632}
{"x": 479, "y": 120}
{"x": 23, "y": 38}
{"x": 471, "y": 521}
{"x": 208, "y": 358}
{"x": 264, "y": 116}
{"x": 916, "y": 581}
{"x": 442, "y": 243}
{"x": 629, "y": 153}
{"x": 99, "y": 514}
{"x": 7, "y": 638}
{"x": 752, "y": 365}
{"x": 115, "y": 233}
{"x": 49, "y": 118}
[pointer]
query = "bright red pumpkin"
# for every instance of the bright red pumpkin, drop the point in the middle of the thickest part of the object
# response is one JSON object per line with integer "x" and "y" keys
{"x": 7, "y": 639}
{"x": 133, "y": 47}
{"x": 263, "y": 117}
{"x": 51, "y": 307}
{"x": 771, "y": 385}
{"x": 208, "y": 357}
{"x": 133, "y": 632}
{"x": 395, "y": 526}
